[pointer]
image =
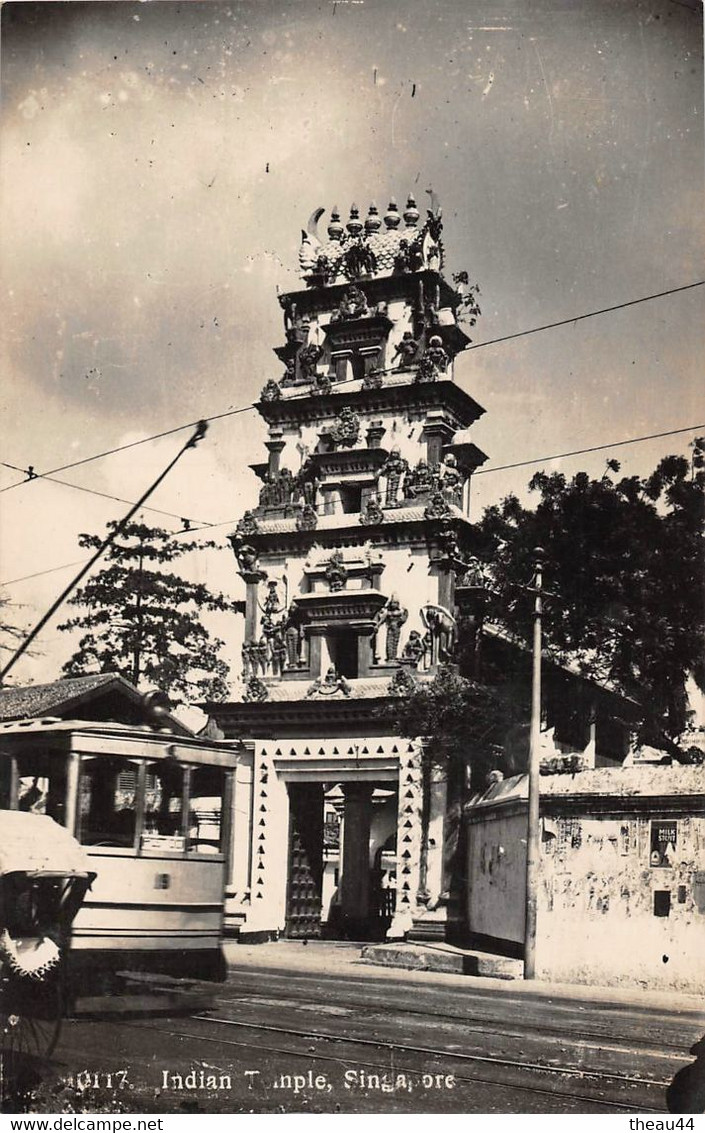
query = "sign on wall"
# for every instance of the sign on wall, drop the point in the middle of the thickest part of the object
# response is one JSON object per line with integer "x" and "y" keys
{"x": 664, "y": 836}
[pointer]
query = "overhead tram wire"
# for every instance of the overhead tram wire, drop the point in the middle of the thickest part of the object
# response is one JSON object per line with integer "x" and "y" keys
{"x": 583, "y": 451}
{"x": 248, "y": 408}
{"x": 107, "y": 496}
{"x": 481, "y": 471}
{"x": 193, "y": 440}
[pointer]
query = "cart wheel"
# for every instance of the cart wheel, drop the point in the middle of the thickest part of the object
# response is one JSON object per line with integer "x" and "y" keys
{"x": 30, "y": 1019}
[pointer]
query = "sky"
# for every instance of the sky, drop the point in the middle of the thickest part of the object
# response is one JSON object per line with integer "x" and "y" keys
{"x": 157, "y": 164}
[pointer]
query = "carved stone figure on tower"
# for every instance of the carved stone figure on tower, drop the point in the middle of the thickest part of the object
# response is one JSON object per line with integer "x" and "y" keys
{"x": 307, "y": 520}
{"x": 271, "y": 604}
{"x": 248, "y": 525}
{"x": 451, "y": 479}
{"x": 372, "y": 513}
{"x": 437, "y": 507}
{"x": 346, "y": 429}
{"x": 406, "y": 350}
{"x": 263, "y": 654}
{"x": 353, "y": 305}
{"x": 393, "y": 615}
{"x": 393, "y": 469}
{"x": 358, "y": 259}
{"x": 309, "y": 357}
{"x": 419, "y": 481}
{"x": 329, "y": 685}
{"x": 292, "y": 636}
{"x": 414, "y": 649}
{"x": 271, "y": 391}
{"x": 321, "y": 384}
{"x": 289, "y": 376}
{"x": 307, "y": 482}
{"x": 246, "y": 556}
{"x": 402, "y": 683}
{"x": 336, "y": 572}
{"x": 278, "y": 650}
{"x": 434, "y": 361}
{"x": 442, "y": 626}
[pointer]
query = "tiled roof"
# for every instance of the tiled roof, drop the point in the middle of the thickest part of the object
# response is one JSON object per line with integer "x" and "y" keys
{"x": 45, "y": 700}
{"x": 384, "y": 245}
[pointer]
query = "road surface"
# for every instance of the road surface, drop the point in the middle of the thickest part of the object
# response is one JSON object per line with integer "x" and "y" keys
{"x": 367, "y": 1041}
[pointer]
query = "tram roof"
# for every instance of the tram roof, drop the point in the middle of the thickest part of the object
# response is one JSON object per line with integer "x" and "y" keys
{"x": 129, "y": 741}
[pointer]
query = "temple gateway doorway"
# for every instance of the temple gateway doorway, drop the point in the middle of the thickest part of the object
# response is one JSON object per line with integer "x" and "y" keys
{"x": 341, "y": 868}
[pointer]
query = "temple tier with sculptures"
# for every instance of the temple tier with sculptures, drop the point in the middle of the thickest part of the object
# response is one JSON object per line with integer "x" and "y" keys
{"x": 354, "y": 559}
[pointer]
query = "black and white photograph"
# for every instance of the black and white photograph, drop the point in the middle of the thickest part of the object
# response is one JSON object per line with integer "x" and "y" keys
{"x": 352, "y": 733}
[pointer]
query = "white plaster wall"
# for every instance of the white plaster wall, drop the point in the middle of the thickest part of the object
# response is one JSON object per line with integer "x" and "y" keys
{"x": 436, "y": 827}
{"x": 270, "y": 845}
{"x": 596, "y": 905}
{"x": 497, "y": 876}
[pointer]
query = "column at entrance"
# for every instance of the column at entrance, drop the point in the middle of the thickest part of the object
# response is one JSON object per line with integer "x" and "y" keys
{"x": 355, "y": 880}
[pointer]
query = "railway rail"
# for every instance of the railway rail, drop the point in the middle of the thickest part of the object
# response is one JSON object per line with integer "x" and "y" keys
{"x": 560, "y": 1075}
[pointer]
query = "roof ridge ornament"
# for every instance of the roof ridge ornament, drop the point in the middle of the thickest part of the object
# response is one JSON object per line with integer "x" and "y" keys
{"x": 411, "y": 213}
{"x": 392, "y": 219}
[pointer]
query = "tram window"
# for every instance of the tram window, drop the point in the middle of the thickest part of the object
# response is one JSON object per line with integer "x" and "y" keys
{"x": 106, "y": 806}
{"x": 42, "y": 785}
{"x": 206, "y": 810}
{"x": 164, "y": 801}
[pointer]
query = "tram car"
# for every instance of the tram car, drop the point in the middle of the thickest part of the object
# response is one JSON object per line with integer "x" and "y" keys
{"x": 152, "y": 810}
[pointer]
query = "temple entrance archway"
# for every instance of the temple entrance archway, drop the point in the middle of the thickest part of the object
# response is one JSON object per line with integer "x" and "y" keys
{"x": 341, "y": 866}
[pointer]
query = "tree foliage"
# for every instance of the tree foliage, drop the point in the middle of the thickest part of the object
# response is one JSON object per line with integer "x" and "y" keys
{"x": 144, "y": 621}
{"x": 623, "y": 575}
{"x": 463, "y": 723}
{"x": 11, "y": 635}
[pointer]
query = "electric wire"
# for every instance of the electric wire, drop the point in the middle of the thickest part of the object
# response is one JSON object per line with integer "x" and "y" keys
{"x": 248, "y": 408}
{"x": 106, "y": 495}
{"x": 479, "y": 472}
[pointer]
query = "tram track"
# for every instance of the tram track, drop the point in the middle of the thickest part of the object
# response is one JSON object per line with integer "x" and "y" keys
{"x": 478, "y": 1025}
{"x": 682, "y": 1031}
{"x": 450, "y": 1058}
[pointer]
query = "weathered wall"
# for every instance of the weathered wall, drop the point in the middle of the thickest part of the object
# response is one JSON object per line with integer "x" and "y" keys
{"x": 612, "y": 909}
{"x": 496, "y": 863}
{"x": 622, "y": 875}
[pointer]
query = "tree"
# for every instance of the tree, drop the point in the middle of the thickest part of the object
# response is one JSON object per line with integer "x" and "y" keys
{"x": 463, "y": 725}
{"x": 623, "y": 574}
{"x": 143, "y": 621}
{"x": 10, "y": 634}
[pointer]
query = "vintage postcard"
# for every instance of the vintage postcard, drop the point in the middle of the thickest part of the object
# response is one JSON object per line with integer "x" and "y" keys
{"x": 351, "y": 621}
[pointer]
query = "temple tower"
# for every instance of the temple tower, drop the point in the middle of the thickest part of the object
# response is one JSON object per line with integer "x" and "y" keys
{"x": 351, "y": 562}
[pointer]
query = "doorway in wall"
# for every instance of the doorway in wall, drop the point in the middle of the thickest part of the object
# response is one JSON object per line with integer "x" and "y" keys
{"x": 321, "y": 901}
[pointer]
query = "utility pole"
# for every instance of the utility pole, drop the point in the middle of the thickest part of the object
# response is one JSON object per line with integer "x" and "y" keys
{"x": 532, "y": 833}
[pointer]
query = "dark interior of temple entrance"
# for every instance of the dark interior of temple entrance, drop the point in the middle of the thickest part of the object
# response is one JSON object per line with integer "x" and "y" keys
{"x": 341, "y": 887}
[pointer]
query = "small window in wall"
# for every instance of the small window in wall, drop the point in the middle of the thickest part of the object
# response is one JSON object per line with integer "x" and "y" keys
{"x": 107, "y": 810}
{"x": 351, "y": 498}
{"x": 664, "y": 837}
{"x": 164, "y": 807}
{"x": 662, "y": 902}
{"x": 342, "y": 648}
{"x": 205, "y": 822}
